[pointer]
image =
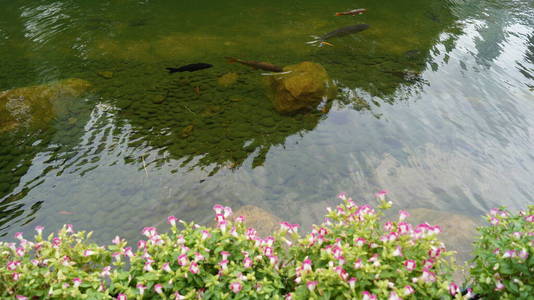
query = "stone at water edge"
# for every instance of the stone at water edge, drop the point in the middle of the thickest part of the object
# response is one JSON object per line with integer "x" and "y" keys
{"x": 36, "y": 105}
{"x": 304, "y": 87}
{"x": 263, "y": 221}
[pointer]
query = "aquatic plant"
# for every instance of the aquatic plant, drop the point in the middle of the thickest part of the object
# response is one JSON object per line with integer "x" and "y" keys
{"x": 503, "y": 266}
{"x": 356, "y": 253}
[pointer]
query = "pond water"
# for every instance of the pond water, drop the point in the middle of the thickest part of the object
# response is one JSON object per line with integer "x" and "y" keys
{"x": 435, "y": 103}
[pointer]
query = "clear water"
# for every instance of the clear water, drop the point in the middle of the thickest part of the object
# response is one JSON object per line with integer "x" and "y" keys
{"x": 435, "y": 104}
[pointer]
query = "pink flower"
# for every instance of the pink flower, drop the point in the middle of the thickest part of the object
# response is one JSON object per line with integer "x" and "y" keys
{"x": 434, "y": 252}
{"x": 148, "y": 267}
{"x": 227, "y": 211}
{"x": 523, "y": 254}
{"x": 388, "y": 226}
{"x": 341, "y": 272}
{"x": 311, "y": 285}
{"x": 20, "y": 297}
{"x": 205, "y": 234}
{"x": 158, "y": 288}
{"x": 410, "y": 264}
{"x": 494, "y": 221}
{"x": 530, "y": 218}
{"x": 307, "y": 264}
{"x": 12, "y": 265}
{"x": 222, "y": 225}
{"x": 198, "y": 257}
{"x": 368, "y": 296}
{"x": 453, "y": 288}
{"x": 141, "y": 288}
{"x": 88, "y": 252}
{"x": 172, "y": 220}
{"x": 359, "y": 242}
{"x": 122, "y": 297}
{"x": 398, "y": 251}
{"x": 20, "y": 251}
{"x": 70, "y": 228}
{"x": 219, "y": 217}
{"x": 225, "y": 254}
{"x": 268, "y": 251}
{"x": 182, "y": 260}
{"x": 141, "y": 244}
{"x": 499, "y": 286}
{"x": 240, "y": 219}
{"x": 76, "y": 282}
{"x": 288, "y": 297}
{"x": 218, "y": 208}
{"x": 106, "y": 271}
{"x": 236, "y": 286}
{"x": 194, "y": 268}
{"x": 394, "y": 296}
{"x": 428, "y": 276}
{"x": 352, "y": 282}
{"x": 56, "y": 242}
{"x": 408, "y": 290}
{"x": 15, "y": 276}
{"x": 509, "y": 253}
{"x": 273, "y": 259}
{"x": 149, "y": 231}
{"x": 18, "y": 236}
{"x": 381, "y": 195}
{"x": 403, "y": 215}
{"x": 39, "y": 229}
{"x": 224, "y": 264}
{"x": 342, "y": 196}
{"x": 166, "y": 267}
{"x": 358, "y": 263}
{"x": 116, "y": 240}
{"x": 404, "y": 228}
{"x": 177, "y": 296}
{"x": 247, "y": 262}
{"x": 128, "y": 252}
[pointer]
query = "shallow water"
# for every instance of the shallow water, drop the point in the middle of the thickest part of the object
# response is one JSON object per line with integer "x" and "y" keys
{"x": 435, "y": 104}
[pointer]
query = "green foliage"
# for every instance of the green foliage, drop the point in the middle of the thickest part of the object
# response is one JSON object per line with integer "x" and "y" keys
{"x": 353, "y": 254}
{"x": 503, "y": 266}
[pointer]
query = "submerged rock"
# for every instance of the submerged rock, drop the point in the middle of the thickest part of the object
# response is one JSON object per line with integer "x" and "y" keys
{"x": 263, "y": 221}
{"x": 227, "y": 79}
{"x": 36, "y": 105}
{"x": 303, "y": 87}
{"x": 105, "y": 74}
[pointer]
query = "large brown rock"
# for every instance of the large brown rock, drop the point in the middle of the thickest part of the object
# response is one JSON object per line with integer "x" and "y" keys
{"x": 37, "y": 105}
{"x": 303, "y": 87}
{"x": 263, "y": 221}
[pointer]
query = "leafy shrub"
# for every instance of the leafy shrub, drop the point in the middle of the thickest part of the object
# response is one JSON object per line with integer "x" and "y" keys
{"x": 503, "y": 267}
{"x": 354, "y": 253}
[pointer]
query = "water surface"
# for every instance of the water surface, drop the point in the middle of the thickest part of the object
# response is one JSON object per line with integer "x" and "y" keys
{"x": 435, "y": 104}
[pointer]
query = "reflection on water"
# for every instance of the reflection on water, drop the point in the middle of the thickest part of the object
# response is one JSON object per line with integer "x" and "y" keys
{"x": 433, "y": 104}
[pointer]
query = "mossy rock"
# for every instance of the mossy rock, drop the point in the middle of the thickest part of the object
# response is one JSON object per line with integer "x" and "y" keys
{"x": 36, "y": 105}
{"x": 303, "y": 87}
{"x": 227, "y": 79}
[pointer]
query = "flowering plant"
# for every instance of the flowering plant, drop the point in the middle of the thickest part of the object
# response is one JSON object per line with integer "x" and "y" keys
{"x": 352, "y": 255}
{"x": 61, "y": 266}
{"x": 503, "y": 266}
{"x": 225, "y": 261}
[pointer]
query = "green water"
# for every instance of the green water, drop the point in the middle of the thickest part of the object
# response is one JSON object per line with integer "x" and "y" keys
{"x": 434, "y": 103}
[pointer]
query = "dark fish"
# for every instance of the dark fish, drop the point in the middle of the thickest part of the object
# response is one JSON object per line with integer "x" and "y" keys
{"x": 190, "y": 68}
{"x": 256, "y": 64}
{"x": 337, "y": 33}
{"x": 353, "y": 12}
